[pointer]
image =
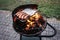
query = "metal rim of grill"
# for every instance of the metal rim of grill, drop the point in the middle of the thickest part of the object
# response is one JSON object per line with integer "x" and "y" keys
{"x": 23, "y": 7}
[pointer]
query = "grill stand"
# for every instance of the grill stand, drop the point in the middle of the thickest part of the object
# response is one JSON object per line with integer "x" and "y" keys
{"x": 20, "y": 37}
{"x": 40, "y": 37}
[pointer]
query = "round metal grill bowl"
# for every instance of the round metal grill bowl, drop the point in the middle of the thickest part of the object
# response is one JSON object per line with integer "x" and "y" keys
{"x": 18, "y": 28}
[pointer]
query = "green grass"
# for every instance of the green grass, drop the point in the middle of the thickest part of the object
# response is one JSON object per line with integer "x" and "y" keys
{"x": 51, "y": 8}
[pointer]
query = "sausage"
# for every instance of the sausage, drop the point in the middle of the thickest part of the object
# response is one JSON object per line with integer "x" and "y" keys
{"x": 22, "y": 15}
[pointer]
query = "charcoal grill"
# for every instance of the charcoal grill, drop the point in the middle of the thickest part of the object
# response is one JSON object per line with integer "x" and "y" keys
{"x": 31, "y": 33}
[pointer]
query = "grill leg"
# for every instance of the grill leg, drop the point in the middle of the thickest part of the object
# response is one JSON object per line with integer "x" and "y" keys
{"x": 20, "y": 37}
{"x": 40, "y": 38}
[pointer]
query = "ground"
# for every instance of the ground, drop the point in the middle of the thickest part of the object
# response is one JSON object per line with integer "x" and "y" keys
{"x": 8, "y": 33}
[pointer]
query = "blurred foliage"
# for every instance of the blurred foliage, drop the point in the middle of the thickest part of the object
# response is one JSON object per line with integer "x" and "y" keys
{"x": 50, "y": 8}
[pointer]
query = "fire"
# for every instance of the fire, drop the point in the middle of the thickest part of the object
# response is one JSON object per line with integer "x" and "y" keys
{"x": 36, "y": 15}
{"x": 30, "y": 22}
{"x": 33, "y": 20}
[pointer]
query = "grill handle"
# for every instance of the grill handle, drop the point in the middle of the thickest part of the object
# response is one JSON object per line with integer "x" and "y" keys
{"x": 50, "y": 35}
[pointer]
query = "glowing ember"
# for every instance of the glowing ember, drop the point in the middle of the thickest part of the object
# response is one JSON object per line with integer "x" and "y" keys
{"x": 31, "y": 22}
